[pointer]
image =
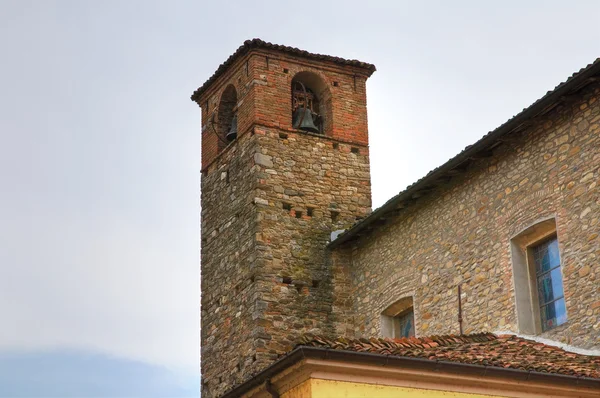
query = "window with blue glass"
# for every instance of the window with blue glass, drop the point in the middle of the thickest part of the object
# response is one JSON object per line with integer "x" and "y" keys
{"x": 398, "y": 319}
{"x": 549, "y": 284}
{"x": 405, "y": 324}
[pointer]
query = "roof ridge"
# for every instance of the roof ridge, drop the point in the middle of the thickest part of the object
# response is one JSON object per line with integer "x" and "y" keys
{"x": 442, "y": 340}
{"x": 484, "y": 143}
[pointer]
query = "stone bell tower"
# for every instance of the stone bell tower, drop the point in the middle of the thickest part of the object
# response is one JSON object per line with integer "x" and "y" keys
{"x": 285, "y": 161}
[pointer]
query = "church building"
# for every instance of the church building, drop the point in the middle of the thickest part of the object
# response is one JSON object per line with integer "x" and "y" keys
{"x": 498, "y": 247}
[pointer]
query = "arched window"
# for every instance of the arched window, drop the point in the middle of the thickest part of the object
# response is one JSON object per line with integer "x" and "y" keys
{"x": 310, "y": 103}
{"x": 398, "y": 320}
{"x": 227, "y": 124}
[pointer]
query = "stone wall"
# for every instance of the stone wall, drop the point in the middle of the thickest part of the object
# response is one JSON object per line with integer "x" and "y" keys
{"x": 308, "y": 187}
{"x": 228, "y": 257}
{"x": 461, "y": 234}
{"x": 270, "y": 200}
{"x": 269, "y": 205}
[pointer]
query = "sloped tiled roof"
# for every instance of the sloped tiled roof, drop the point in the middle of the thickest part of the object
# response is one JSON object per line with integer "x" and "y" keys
{"x": 485, "y": 144}
{"x": 481, "y": 355}
{"x": 258, "y": 43}
{"x": 504, "y": 351}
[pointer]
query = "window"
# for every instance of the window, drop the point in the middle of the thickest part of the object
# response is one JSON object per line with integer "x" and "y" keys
{"x": 398, "y": 320}
{"x": 404, "y": 324}
{"x": 549, "y": 284}
{"x": 537, "y": 277}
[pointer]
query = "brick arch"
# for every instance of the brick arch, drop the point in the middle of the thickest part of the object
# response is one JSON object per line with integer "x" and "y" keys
{"x": 318, "y": 85}
{"x": 226, "y": 111}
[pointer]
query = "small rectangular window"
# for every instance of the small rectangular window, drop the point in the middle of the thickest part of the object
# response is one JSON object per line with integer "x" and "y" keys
{"x": 334, "y": 215}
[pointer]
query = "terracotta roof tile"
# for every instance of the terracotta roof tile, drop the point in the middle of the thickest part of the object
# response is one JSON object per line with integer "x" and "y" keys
{"x": 505, "y": 351}
{"x": 258, "y": 43}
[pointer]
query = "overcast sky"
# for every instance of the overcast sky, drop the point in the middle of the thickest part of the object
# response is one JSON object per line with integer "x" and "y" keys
{"x": 99, "y": 153}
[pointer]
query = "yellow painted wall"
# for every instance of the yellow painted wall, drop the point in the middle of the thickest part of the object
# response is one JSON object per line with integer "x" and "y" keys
{"x": 303, "y": 390}
{"x": 316, "y": 388}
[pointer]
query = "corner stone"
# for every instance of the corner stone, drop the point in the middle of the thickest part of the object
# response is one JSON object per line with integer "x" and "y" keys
{"x": 263, "y": 160}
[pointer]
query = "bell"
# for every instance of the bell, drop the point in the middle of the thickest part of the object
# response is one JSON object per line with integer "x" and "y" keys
{"x": 304, "y": 120}
{"x": 232, "y": 134}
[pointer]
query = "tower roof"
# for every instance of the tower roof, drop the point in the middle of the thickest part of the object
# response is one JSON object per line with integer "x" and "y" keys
{"x": 261, "y": 44}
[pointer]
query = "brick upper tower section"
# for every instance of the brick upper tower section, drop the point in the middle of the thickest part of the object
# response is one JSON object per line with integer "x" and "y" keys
{"x": 271, "y": 196}
{"x": 261, "y": 74}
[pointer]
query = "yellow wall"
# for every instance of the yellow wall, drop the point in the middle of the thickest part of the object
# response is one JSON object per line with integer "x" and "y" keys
{"x": 300, "y": 391}
{"x": 316, "y": 388}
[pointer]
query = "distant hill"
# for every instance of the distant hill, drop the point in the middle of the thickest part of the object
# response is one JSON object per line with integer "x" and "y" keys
{"x": 84, "y": 374}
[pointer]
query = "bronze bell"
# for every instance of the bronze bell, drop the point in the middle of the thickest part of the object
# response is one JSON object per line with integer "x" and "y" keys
{"x": 304, "y": 120}
{"x": 232, "y": 134}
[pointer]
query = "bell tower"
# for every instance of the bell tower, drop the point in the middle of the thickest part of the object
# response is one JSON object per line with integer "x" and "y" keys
{"x": 285, "y": 161}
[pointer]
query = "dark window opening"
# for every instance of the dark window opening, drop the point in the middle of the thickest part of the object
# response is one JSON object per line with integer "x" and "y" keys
{"x": 226, "y": 128}
{"x": 334, "y": 215}
{"x": 311, "y": 103}
{"x": 305, "y": 107}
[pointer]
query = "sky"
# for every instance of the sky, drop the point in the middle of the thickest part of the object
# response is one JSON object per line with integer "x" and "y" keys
{"x": 100, "y": 154}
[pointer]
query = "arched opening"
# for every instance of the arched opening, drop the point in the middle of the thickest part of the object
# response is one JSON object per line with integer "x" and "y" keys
{"x": 227, "y": 123}
{"x": 311, "y": 103}
{"x": 398, "y": 320}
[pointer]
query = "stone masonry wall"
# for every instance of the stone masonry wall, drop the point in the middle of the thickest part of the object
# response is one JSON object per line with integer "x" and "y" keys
{"x": 270, "y": 200}
{"x": 461, "y": 234}
{"x": 308, "y": 187}
{"x": 264, "y": 276}
{"x": 228, "y": 257}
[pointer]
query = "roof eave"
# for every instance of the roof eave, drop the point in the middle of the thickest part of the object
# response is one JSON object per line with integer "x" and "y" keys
{"x": 249, "y": 45}
{"x": 306, "y": 352}
{"x": 485, "y": 142}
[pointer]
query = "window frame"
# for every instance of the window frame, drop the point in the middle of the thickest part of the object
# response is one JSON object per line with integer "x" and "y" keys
{"x": 391, "y": 318}
{"x": 527, "y": 302}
